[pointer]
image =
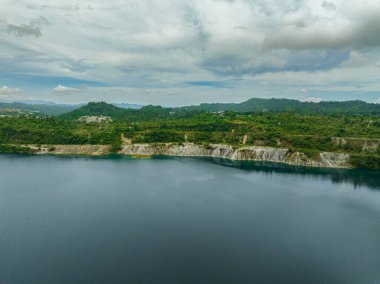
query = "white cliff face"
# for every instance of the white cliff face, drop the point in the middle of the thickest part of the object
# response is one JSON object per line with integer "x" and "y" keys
{"x": 279, "y": 155}
{"x": 253, "y": 153}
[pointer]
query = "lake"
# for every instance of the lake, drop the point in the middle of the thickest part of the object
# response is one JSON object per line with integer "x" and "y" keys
{"x": 181, "y": 220}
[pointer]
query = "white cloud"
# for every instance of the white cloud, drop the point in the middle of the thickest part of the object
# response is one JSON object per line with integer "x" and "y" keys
{"x": 159, "y": 45}
{"x": 5, "y": 90}
{"x": 355, "y": 26}
{"x": 312, "y": 100}
{"x": 63, "y": 89}
{"x": 378, "y": 101}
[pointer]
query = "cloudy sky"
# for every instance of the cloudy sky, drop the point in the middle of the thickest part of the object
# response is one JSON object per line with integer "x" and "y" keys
{"x": 177, "y": 52}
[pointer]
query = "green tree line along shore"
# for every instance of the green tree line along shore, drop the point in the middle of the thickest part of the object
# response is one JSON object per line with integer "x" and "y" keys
{"x": 309, "y": 131}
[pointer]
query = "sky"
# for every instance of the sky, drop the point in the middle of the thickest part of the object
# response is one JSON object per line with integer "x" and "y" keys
{"x": 181, "y": 52}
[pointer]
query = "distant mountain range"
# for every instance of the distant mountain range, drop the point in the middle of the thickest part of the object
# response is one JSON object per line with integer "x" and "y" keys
{"x": 32, "y": 102}
{"x": 38, "y": 109}
{"x": 127, "y": 111}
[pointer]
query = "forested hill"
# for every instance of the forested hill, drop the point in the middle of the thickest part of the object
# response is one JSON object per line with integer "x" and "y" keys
{"x": 149, "y": 112}
{"x": 42, "y": 108}
{"x": 281, "y": 105}
{"x": 100, "y": 108}
{"x": 251, "y": 106}
{"x": 157, "y": 112}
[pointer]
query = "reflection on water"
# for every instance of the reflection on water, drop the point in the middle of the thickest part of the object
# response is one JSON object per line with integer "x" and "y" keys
{"x": 356, "y": 177}
{"x": 185, "y": 220}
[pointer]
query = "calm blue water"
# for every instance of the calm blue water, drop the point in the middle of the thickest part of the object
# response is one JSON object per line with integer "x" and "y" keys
{"x": 83, "y": 220}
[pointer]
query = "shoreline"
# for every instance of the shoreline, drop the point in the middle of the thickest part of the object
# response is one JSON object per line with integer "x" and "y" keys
{"x": 223, "y": 151}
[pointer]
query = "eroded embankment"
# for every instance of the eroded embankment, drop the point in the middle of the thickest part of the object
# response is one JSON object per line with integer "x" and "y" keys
{"x": 254, "y": 153}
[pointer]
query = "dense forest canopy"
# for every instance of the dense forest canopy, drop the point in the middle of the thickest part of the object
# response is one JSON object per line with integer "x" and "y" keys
{"x": 280, "y": 105}
{"x": 250, "y": 106}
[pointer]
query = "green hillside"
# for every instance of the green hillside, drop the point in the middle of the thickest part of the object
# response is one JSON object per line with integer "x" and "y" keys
{"x": 149, "y": 112}
{"x": 281, "y": 105}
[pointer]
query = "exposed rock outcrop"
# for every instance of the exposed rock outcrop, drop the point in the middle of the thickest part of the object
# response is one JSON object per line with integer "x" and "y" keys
{"x": 279, "y": 155}
{"x": 253, "y": 153}
{"x": 95, "y": 119}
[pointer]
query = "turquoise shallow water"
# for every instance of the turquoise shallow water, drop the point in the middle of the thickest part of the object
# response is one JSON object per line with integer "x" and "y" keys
{"x": 117, "y": 220}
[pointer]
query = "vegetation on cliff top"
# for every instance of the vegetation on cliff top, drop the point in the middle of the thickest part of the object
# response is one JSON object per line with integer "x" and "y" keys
{"x": 309, "y": 133}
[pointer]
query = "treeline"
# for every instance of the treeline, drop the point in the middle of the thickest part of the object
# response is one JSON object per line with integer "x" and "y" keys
{"x": 35, "y": 130}
{"x": 355, "y": 107}
{"x": 252, "y": 106}
{"x": 150, "y": 112}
